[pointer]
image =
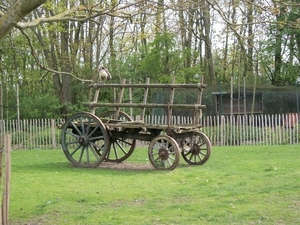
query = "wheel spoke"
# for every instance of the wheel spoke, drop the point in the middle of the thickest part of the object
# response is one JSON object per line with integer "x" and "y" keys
{"x": 82, "y": 126}
{"x": 81, "y": 154}
{"x": 92, "y": 150}
{"x": 115, "y": 151}
{"x": 201, "y": 144}
{"x": 72, "y": 134}
{"x": 170, "y": 161}
{"x": 76, "y": 128}
{"x": 121, "y": 147}
{"x": 71, "y": 142}
{"x": 88, "y": 156}
{"x": 95, "y": 146}
{"x": 97, "y": 138}
{"x": 155, "y": 160}
{"x": 199, "y": 157}
{"x": 201, "y": 153}
{"x": 93, "y": 131}
{"x": 123, "y": 140}
{"x": 75, "y": 150}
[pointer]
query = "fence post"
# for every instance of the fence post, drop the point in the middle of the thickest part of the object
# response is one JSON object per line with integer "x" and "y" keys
{"x": 6, "y": 188}
{"x": 53, "y": 134}
{"x": 1, "y": 156}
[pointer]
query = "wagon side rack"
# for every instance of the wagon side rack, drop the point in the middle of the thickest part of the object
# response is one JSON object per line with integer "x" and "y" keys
{"x": 89, "y": 139}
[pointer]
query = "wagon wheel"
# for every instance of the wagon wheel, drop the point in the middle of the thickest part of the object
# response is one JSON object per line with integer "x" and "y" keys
{"x": 85, "y": 140}
{"x": 120, "y": 148}
{"x": 163, "y": 152}
{"x": 196, "y": 149}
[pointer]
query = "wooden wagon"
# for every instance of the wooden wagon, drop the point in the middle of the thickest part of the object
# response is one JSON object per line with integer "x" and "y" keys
{"x": 89, "y": 139}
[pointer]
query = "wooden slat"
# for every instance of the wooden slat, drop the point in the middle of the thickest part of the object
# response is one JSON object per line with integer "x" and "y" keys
{"x": 120, "y": 98}
{"x": 107, "y": 85}
{"x": 141, "y": 105}
{"x": 135, "y": 125}
{"x": 145, "y": 97}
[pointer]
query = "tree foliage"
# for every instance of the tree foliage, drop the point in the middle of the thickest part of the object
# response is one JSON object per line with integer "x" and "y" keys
{"x": 52, "y": 52}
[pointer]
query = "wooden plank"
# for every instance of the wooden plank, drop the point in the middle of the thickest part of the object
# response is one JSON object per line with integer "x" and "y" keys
{"x": 135, "y": 125}
{"x": 148, "y": 105}
{"x": 120, "y": 98}
{"x": 6, "y": 189}
{"x": 2, "y": 147}
{"x": 130, "y": 99}
{"x": 198, "y": 113}
{"x": 171, "y": 101}
{"x": 54, "y": 146}
{"x": 106, "y": 85}
{"x": 145, "y": 97}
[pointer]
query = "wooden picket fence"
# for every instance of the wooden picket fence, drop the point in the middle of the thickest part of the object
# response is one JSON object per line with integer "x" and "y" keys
{"x": 32, "y": 133}
{"x": 222, "y": 130}
{"x": 252, "y": 130}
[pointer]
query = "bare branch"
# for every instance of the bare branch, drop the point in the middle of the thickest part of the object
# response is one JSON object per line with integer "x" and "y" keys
{"x": 268, "y": 9}
{"x": 46, "y": 68}
{"x": 83, "y": 14}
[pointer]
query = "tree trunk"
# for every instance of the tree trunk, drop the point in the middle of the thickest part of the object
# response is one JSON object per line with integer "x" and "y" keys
{"x": 65, "y": 64}
{"x": 278, "y": 49}
{"x": 250, "y": 41}
{"x": 113, "y": 55}
{"x": 188, "y": 44}
{"x": 182, "y": 26}
{"x": 208, "y": 49}
{"x": 143, "y": 20}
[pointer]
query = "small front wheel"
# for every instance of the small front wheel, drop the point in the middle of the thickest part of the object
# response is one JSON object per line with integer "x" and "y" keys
{"x": 163, "y": 152}
{"x": 196, "y": 149}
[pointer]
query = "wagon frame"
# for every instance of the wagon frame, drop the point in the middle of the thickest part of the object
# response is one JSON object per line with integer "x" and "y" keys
{"x": 89, "y": 139}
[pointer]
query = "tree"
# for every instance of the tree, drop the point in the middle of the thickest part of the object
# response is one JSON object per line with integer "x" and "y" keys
{"x": 66, "y": 41}
{"x": 280, "y": 49}
{"x": 55, "y": 34}
{"x": 15, "y": 13}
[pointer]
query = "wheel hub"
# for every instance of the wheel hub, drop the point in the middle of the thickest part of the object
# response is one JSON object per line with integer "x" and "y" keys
{"x": 163, "y": 153}
{"x": 195, "y": 149}
{"x": 84, "y": 140}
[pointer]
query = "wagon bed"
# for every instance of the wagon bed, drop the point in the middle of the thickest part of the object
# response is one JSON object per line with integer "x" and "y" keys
{"x": 89, "y": 139}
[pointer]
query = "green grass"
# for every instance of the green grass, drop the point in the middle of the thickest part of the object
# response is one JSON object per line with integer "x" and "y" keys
{"x": 238, "y": 185}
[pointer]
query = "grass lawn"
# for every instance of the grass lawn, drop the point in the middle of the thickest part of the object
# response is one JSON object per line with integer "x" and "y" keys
{"x": 238, "y": 185}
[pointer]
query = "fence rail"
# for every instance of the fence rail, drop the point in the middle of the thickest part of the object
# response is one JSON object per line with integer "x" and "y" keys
{"x": 222, "y": 130}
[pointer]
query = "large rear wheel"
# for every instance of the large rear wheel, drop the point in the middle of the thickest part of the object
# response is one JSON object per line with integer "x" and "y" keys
{"x": 85, "y": 140}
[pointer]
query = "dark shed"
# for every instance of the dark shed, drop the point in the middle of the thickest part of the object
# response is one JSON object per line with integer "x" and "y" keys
{"x": 240, "y": 104}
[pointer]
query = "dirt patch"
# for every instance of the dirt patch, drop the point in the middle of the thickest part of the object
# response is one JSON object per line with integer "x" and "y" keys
{"x": 125, "y": 166}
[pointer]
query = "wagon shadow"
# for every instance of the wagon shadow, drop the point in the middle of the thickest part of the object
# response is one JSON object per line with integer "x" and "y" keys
{"x": 107, "y": 166}
{"x": 131, "y": 166}
{"x": 125, "y": 166}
